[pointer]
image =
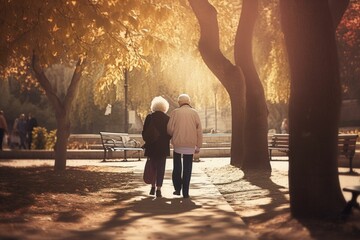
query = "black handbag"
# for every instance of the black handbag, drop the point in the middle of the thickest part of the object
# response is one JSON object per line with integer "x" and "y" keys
{"x": 149, "y": 172}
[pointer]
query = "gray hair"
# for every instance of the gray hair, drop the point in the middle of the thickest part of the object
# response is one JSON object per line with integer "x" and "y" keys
{"x": 159, "y": 104}
{"x": 183, "y": 99}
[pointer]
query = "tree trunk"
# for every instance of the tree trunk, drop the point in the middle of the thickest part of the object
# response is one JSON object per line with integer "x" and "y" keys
{"x": 256, "y": 154}
{"x": 338, "y": 9}
{"x": 62, "y": 136}
{"x": 314, "y": 109}
{"x": 62, "y": 108}
{"x": 228, "y": 74}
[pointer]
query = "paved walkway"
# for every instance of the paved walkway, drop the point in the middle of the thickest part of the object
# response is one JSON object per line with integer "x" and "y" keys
{"x": 206, "y": 214}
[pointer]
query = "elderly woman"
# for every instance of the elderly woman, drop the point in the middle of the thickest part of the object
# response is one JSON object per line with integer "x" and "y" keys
{"x": 157, "y": 147}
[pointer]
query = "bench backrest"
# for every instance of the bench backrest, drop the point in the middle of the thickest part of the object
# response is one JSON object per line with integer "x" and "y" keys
{"x": 109, "y": 139}
{"x": 347, "y": 143}
{"x": 279, "y": 140}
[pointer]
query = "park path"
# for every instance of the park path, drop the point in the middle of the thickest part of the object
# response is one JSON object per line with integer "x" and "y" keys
{"x": 206, "y": 214}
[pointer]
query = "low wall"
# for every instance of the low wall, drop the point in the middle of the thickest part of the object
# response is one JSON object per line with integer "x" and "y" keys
{"x": 215, "y": 146}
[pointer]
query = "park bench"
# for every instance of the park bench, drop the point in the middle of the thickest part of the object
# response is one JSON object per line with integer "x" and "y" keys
{"x": 119, "y": 142}
{"x": 346, "y": 145}
{"x": 355, "y": 191}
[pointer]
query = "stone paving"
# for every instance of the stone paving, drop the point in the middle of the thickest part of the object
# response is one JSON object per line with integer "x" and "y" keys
{"x": 206, "y": 214}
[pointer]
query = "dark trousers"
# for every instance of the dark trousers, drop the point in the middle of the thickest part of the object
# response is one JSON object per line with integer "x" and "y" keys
{"x": 22, "y": 136}
{"x": 181, "y": 174}
{"x": 158, "y": 163}
{"x": 29, "y": 139}
{"x": 2, "y": 133}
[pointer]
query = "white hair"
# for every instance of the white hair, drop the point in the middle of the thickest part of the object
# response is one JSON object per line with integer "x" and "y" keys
{"x": 159, "y": 104}
{"x": 183, "y": 99}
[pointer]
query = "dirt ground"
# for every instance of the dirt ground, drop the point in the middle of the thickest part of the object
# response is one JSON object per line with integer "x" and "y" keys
{"x": 264, "y": 207}
{"x": 35, "y": 202}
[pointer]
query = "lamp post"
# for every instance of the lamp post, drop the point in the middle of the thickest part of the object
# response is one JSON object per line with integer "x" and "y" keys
{"x": 126, "y": 118}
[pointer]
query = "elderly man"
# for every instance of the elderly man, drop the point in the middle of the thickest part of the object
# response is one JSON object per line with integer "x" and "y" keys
{"x": 185, "y": 128}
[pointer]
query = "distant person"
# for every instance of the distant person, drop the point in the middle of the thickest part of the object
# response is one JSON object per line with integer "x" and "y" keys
{"x": 14, "y": 130}
{"x": 3, "y": 129}
{"x": 14, "y": 135}
{"x": 284, "y": 126}
{"x": 157, "y": 148}
{"x": 21, "y": 127}
{"x": 31, "y": 124}
{"x": 185, "y": 128}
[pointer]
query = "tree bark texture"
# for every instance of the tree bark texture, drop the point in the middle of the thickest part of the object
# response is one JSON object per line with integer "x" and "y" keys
{"x": 314, "y": 108}
{"x": 256, "y": 154}
{"x": 228, "y": 74}
{"x": 338, "y": 9}
{"x": 62, "y": 109}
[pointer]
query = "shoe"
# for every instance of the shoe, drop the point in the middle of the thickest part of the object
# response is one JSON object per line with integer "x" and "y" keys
{"x": 152, "y": 191}
{"x": 186, "y": 196}
{"x": 176, "y": 193}
{"x": 158, "y": 193}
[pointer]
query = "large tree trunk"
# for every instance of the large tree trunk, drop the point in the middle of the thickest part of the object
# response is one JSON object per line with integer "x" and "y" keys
{"x": 256, "y": 154}
{"x": 62, "y": 136}
{"x": 62, "y": 108}
{"x": 228, "y": 74}
{"x": 314, "y": 108}
{"x": 338, "y": 9}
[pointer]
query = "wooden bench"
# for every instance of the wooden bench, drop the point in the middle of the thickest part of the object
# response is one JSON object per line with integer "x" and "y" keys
{"x": 355, "y": 191}
{"x": 119, "y": 142}
{"x": 279, "y": 142}
{"x": 346, "y": 145}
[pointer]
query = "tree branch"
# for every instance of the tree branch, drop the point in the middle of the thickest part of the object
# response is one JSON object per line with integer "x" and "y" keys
{"x": 244, "y": 34}
{"x": 74, "y": 84}
{"x": 44, "y": 82}
{"x": 209, "y": 46}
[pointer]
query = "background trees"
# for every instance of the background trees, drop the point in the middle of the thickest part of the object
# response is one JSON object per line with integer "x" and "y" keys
{"x": 347, "y": 34}
{"x": 39, "y": 34}
{"x": 155, "y": 41}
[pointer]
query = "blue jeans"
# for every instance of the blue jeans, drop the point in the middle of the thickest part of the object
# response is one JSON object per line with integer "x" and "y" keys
{"x": 182, "y": 181}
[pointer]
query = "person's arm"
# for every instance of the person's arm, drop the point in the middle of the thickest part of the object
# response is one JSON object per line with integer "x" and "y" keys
{"x": 146, "y": 123}
{"x": 199, "y": 134}
{"x": 170, "y": 125}
{"x": 4, "y": 124}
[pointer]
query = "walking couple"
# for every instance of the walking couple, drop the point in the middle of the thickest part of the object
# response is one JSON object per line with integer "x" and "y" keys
{"x": 183, "y": 127}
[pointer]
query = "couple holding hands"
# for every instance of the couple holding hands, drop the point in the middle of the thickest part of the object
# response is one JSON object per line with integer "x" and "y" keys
{"x": 183, "y": 128}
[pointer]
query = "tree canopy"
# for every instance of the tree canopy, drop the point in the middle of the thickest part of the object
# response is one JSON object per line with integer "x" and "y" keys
{"x": 154, "y": 39}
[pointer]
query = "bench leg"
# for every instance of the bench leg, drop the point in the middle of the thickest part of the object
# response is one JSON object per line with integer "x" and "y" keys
{"x": 104, "y": 160}
{"x": 270, "y": 154}
{"x": 350, "y": 204}
{"x": 350, "y": 164}
{"x": 125, "y": 156}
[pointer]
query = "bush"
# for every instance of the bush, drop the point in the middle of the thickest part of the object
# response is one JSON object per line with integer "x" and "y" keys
{"x": 42, "y": 139}
{"x": 51, "y": 139}
{"x": 39, "y": 138}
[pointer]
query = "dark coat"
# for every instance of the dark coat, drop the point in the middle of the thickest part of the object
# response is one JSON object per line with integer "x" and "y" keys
{"x": 161, "y": 147}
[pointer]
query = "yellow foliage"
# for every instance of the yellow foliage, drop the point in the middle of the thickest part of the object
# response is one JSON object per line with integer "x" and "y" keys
{"x": 155, "y": 40}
